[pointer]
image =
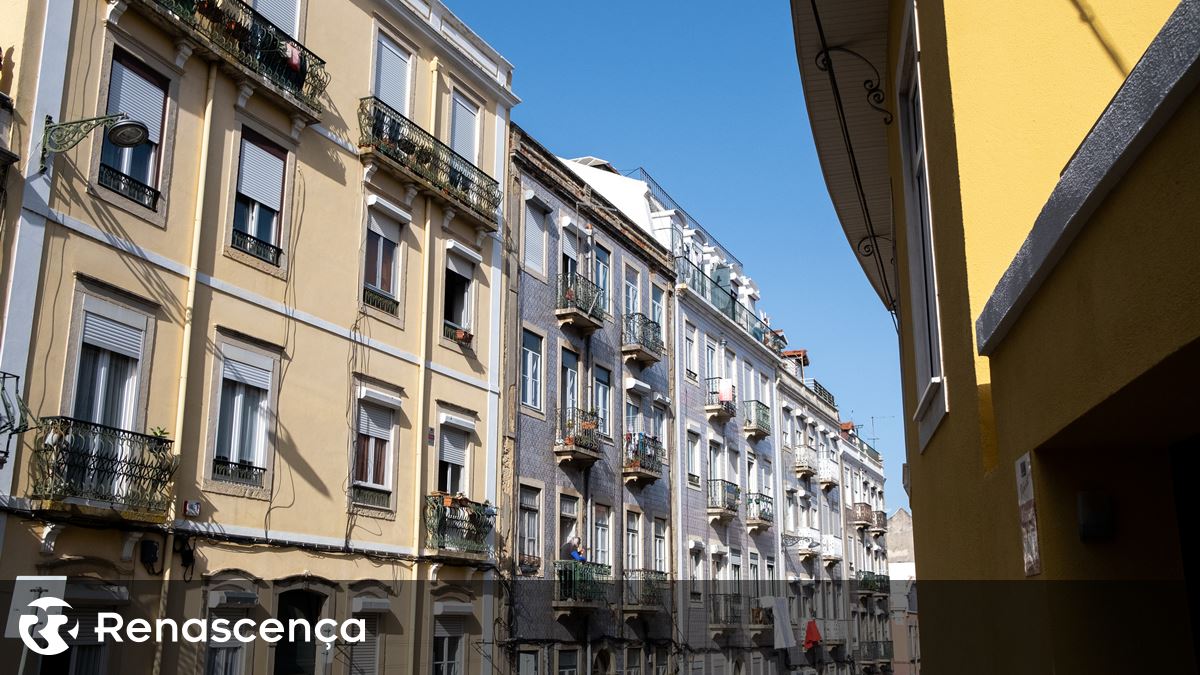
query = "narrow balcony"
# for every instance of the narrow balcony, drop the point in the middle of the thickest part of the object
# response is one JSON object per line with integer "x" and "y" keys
{"x": 457, "y": 334}
{"x": 878, "y": 524}
{"x": 720, "y": 399}
{"x": 128, "y": 187}
{"x": 384, "y": 302}
{"x": 762, "y": 620}
{"x": 641, "y": 339}
{"x": 646, "y": 591}
{"x": 805, "y": 463}
{"x": 371, "y": 496}
{"x": 760, "y": 512}
{"x": 643, "y": 458}
{"x": 882, "y": 586}
{"x": 251, "y": 245}
{"x": 409, "y": 152}
{"x": 861, "y": 515}
{"x": 827, "y": 474}
{"x": 247, "y": 42}
{"x": 864, "y": 583}
{"x": 756, "y": 420}
{"x": 885, "y": 651}
{"x": 579, "y": 437}
{"x": 90, "y": 469}
{"x": 724, "y": 613}
{"x": 580, "y": 586}
{"x": 867, "y": 652}
{"x": 458, "y": 527}
{"x": 831, "y": 549}
{"x": 242, "y": 473}
{"x": 580, "y": 303}
{"x": 723, "y": 498}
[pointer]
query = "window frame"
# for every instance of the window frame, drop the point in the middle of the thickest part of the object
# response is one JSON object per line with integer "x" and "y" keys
{"x": 468, "y": 300}
{"x": 458, "y": 93}
{"x": 388, "y": 484}
{"x": 274, "y": 143}
{"x": 244, "y": 347}
{"x": 538, "y": 383}
{"x": 532, "y": 206}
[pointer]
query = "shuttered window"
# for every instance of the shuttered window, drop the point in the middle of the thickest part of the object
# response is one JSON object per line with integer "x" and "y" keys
{"x": 535, "y": 238}
{"x": 260, "y": 174}
{"x": 464, "y": 127}
{"x": 134, "y": 94}
{"x": 243, "y": 420}
{"x": 373, "y": 446}
{"x": 115, "y": 336}
{"x": 282, "y": 13}
{"x": 454, "y": 446}
{"x": 141, "y": 94}
{"x": 225, "y": 657}
{"x": 531, "y": 369}
{"x": 391, "y": 74}
{"x": 364, "y": 655}
{"x": 570, "y": 246}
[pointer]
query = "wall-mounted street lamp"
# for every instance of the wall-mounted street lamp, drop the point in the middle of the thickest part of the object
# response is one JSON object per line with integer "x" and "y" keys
{"x": 122, "y": 132}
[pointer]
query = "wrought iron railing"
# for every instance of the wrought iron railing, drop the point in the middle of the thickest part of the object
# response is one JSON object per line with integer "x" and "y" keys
{"x": 256, "y": 247}
{"x": 760, "y": 507}
{"x": 884, "y": 650}
{"x": 529, "y": 563}
{"x": 366, "y": 495}
{"x": 244, "y": 473}
{"x": 581, "y": 428}
{"x": 645, "y": 587}
{"x": 456, "y": 524}
{"x": 712, "y": 395}
{"x": 641, "y": 330}
{"x": 74, "y": 459}
{"x": 723, "y": 494}
{"x": 864, "y": 581}
{"x": 821, "y": 392}
{"x": 456, "y": 333}
{"x": 725, "y": 609}
{"x": 251, "y": 40}
{"x": 576, "y": 581}
{"x": 861, "y": 514}
{"x": 379, "y": 301}
{"x": 576, "y": 291}
{"x": 879, "y": 521}
{"x": 761, "y": 613}
{"x": 757, "y": 416}
{"x": 385, "y": 130}
{"x": 643, "y": 451}
{"x": 128, "y": 187}
{"x": 726, "y": 303}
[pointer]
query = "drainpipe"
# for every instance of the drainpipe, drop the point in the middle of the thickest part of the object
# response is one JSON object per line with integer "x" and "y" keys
{"x": 186, "y": 344}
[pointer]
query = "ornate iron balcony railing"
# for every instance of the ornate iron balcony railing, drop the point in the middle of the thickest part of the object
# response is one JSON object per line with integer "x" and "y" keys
{"x": 386, "y": 131}
{"x": 821, "y": 392}
{"x": 861, "y": 514}
{"x": 641, "y": 330}
{"x": 723, "y": 300}
{"x": 238, "y": 472}
{"x": 576, "y": 581}
{"x": 760, "y": 507}
{"x": 581, "y": 428}
{"x": 723, "y": 494}
{"x": 74, "y": 459}
{"x": 643, "y": 451}
{"x": 256, "y": 247}
{"x": 879, "y": 521}
{"x": 645, "y": 587}
{"x": 380, "y": 301}
{"x": 712, "y": 395}
{"x": 724, "y": 609}
{"x": 456, "y": 333}
{"x": 761, "y": 613}
{"x": 128, "y": 187}
{"x": 757, "y": 416}
{"x": 246, "y": 36}
{"x": 455, "y": 524}
{"x": 365, "y": 495}
{"x": 576, "y": 291}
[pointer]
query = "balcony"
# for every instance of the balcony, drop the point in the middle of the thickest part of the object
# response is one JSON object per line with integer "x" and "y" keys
{"x": 864, "y": 582}
{"x": 722, "y": 299}
{"x": 458, "y": 527}
{"x": 882, "y": 586}
{"x": 724, "y": 613}
{"x": 641, "y": 339}
{"x": 831, "y": 549}
{"x": 646, "y": 591}
{"x": 762, "y": 619}
{"x": 720, "y": 399}
{"x": 381, "y": 301}
{"x": 827, "y": 474}
{"x": 756, "y": 420}
{"x": 861, "y": 515}
{"x": 760, "y": 512}
{"x": 805, "y": 463}
{"x": 643, "y": 458}
{"x": 406, "y": 150}
{"x": 833, "y": 631}
{"x": 867, "y": 652}
{"x": 457, "y": 334}
{"x": 254, "y": 47}
{"x": 580, "y": 437}
{"x": 808, "y": 543}
{"x": 878, "y": 524}
{"x": 372, "y": 497}
{"x": 90, "y": 469}
{"x": 723, "y": 498}
{"x": 580, "y": 586}
{"x": 251, "y": 245}
{"x": 242, "y": 473}
{"x": 581, "y": 303}
{"x": 128, "y": 187}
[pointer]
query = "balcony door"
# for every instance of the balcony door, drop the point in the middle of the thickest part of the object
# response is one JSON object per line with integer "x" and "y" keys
{"x": 569, "y": 396}
{"x": 283, "y": 13}
{"x": 392, "y": 65}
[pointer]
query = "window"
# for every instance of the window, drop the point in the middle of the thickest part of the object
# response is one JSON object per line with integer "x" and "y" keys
{"x": 380, "y": 260}
{"x": 696, "y": 591}
{"x": 926, "y": 335}
{"x": 243, "y": 419}
{"x": 603, "y": 393}
{"x": 106, "y": 389}
{"x": 660, "y": 545}
{"x": 661, "y": 662}
{"x": 259, "y": 199}
{"x": 527, "y": 663}
{"x": 633, "y": 540}
{"x": 530, "y": 520}
{"x": 535, "y": 238}
{"x": 658, "y": 424}
{"x": 633, "y": 301}
{"x": 689, "y": 348}
{"x": 225, "y": 657}
{"x": 601, "y": 543}
{"x": 140, "y": 93}
{"x": 456, "y": 305}
{"x": 693, "y": 460}
{"x": 633, "y": 661}
{"x": 392, "y": 74}
{"x": 364, "y": 655}
{"x": 464, "y": 129}
{"x": 657, "y": 315}
{"x": 570, "y": 252}
{"x": 714, "y": 460}
{"x": 531, "y": 369}
{"x": 569, "y": 381}
{"x": 633, "y": 416}
{"x": 452, "y": 460}
{"x": 568, "y": 662}
{"x": 710, "y": 359}
{"x": 372, "y": 454}
{"x": 447, "y": 648}
{"x": 568, "y": 523}
{"x": 602, "y": 269}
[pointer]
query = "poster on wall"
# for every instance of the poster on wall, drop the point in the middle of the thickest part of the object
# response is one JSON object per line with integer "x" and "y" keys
{"x": 1028, "y": 510}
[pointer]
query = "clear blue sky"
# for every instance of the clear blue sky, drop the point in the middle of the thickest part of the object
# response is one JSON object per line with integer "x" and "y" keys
{"x": 709, "y": 101}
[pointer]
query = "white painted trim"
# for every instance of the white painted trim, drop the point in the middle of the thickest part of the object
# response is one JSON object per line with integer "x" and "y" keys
{"x": 391, "y": 209}
{"x": 446, "y": 419}
{"x": 458, "y": 248}
{"x": 340, "y": 142}
{"x": 382, "y": 398}
{"x": 280, "y": 537}
{"x": 451, "y": 608}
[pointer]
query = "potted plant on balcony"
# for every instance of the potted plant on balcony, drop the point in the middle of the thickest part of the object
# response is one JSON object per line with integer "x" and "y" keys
{"x": 462, "y": 336}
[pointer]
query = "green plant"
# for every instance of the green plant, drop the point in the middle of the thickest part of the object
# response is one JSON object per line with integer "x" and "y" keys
{"x": 158, "y": 432}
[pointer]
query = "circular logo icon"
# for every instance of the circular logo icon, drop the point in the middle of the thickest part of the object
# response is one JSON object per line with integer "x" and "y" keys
{"x": 47, "y": 626}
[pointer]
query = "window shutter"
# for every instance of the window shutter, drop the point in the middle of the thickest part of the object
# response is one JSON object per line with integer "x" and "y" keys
{"x": 114, "y": 336}
{"x": 535, "y": 237}
{"x": 247, "y": 374}
{"x": 460, "y": 265}
{"x": 448, "y": 626}
{"x": 386, "y": 227}
{"x": 141, "y": 99}
{"x": 260, "y": 175}
{"x": 282, "y": 13}
{"x": 391, "y": 74}
{"x": 529, "y": 497}
{"x": 364, "y": 656}
{"x": 463, "y": 127}
{"x": 454, "y": 446}
{"x": 374, "y": 421}
{"x": 570, "y": 246}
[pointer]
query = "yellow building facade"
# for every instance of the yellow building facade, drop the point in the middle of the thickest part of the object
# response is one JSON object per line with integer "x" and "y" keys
{"x": 259, "y": 351}
{"x": 1017, "y": 184}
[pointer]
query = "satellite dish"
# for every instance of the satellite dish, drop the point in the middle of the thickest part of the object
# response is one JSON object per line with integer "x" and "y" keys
{"x": 128, "y": 133}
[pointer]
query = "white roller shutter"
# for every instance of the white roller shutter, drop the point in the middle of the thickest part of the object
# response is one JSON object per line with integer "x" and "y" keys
{"x": 247, "y": 374}
{"x": 535, "y": 237}
{"x": 260, "y": 175}
{"x": 570, "y": 246}
{"x": 460, "y": 265}
{"x": 464, "y": 126}
{"x": 374, "y": 421}
{"x": 364, "y": 656}
{"x": 105, "y": 333}
{"x": 386, "y": 227}
{"x": 454, "y": 446}
{"x": 282, "y": 13}
{"x": 448, "y": 626}
{"x": 141, "y": 99}
{"x": 391, "y": 74}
